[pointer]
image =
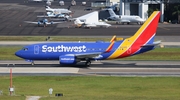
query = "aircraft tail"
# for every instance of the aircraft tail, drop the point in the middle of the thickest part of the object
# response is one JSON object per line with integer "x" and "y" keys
{"x": 146, "y": 33}
{"x": 77, "y": 21}
{"x": 111, "y": 12}
{"x": 141, "y": 41}
{"x": 47, "y": 7}
{"x": 114, "y": 6}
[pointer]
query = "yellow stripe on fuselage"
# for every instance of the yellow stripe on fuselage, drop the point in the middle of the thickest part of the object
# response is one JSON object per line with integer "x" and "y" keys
{"x": 126, "y": 44}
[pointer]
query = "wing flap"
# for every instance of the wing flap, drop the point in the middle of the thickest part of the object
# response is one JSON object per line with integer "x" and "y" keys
{"x": 86, "y": 55}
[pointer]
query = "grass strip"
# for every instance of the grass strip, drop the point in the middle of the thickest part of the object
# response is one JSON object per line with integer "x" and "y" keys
{"x": 93, "y": 87}
{"x": 7, "y": 53}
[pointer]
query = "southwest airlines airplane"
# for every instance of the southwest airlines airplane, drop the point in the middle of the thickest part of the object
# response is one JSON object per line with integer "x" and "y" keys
{"x": 74, "y": 52}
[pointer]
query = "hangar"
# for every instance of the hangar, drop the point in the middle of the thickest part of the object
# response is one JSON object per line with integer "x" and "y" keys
{"x": 142, "y": 7}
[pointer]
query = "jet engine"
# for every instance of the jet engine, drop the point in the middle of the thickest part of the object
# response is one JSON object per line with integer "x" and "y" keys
{"x": 67, "y": 59}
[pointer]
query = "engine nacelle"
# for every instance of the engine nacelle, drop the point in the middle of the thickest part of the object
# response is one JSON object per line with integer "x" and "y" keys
{"x": 70, "y": 59}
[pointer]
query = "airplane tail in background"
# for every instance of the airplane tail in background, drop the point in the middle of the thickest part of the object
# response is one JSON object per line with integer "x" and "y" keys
{"x": 111, "y": 12}
{"x": 114, "y": 6}
{"x": 47, "y": 7}
{"x": 77, "y": 21}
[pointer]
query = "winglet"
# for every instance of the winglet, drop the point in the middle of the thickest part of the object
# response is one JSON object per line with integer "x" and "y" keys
{"x": 110, "y": 47}
{"x": 113, "y": 38}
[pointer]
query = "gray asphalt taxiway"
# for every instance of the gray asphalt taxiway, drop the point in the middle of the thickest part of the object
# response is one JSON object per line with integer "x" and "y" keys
{"x": 13, "y": 14}
{"x": 99, "y": 68}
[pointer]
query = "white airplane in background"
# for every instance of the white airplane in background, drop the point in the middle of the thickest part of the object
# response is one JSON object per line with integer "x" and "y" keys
{"x": 57, "y": 10}
{"x": 43, "y": 22}
{"x": 125, "y": 18}
{"x": 53, "y": 15}
{"x": 57, "y": 13}
{"x": 90, "y": 20}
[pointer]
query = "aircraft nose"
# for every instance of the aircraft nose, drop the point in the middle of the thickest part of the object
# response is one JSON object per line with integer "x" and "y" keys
{"x": 18, "y": 53}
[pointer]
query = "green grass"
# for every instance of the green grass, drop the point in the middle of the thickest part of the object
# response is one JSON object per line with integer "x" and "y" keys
{"x": 7, "y": 53}
{"x": 158, "y": 54}
{"x": 93, "y": 87}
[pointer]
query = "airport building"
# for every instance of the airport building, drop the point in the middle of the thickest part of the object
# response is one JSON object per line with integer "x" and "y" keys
{"x": 141, "y": 7}
{"x": 144, "y": 7}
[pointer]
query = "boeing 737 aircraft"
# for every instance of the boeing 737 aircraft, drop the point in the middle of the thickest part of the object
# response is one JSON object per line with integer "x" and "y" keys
{"x": 74, "y": 52}
{"x": 125, "y": 18}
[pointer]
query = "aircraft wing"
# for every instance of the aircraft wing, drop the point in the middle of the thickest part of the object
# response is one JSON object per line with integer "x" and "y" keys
{"x": 42, "y": 16}
{"x": 94, "y": 54}
{"x": 88, "y": 55}
{"x": 56, "y": 22}
{"x": 154, "y": 44}
{"x": 31, "y": 22}
{"x": 48, "y": 23}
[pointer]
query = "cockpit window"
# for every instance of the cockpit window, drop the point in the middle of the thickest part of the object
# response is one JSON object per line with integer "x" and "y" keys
{"x": 25, "y": 49}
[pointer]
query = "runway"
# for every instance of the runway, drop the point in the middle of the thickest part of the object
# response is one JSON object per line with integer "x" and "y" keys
{"x": 14, "y": 13}
{"x": 98, "y": 68}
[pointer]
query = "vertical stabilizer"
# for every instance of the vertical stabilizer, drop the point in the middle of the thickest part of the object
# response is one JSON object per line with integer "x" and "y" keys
{"x": 145, "y": 35}
{"x": 147, "y": 31}
{"x": 111, "y": 12}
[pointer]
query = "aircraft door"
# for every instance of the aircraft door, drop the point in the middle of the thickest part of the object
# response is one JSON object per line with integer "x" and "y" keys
{"x": 36, "y": 49}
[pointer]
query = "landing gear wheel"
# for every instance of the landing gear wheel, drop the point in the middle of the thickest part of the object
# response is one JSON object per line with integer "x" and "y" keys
{"x": 88, "y": 63}
{"x": 32, "y": 63}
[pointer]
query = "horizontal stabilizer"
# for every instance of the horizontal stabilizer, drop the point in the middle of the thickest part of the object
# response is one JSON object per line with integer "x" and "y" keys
{"x": 154, "y": 44}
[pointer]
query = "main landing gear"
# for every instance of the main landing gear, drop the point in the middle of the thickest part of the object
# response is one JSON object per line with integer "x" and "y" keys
{"x": 32, "y": 63}
{"x": 88, "y": 63}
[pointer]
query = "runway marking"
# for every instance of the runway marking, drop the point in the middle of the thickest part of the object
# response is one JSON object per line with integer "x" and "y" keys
{"x": 39, "y": 70}
{"x": 135, "y": 68}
